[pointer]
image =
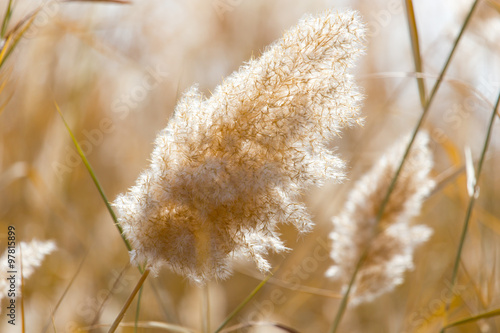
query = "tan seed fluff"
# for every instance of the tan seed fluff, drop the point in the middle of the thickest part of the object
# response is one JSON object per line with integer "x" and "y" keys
{"x": 227, "y": 169}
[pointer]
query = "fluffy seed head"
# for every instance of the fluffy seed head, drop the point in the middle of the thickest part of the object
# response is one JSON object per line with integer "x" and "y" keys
{"x": 228, "y": 168}
{"x": 393, "y": 240}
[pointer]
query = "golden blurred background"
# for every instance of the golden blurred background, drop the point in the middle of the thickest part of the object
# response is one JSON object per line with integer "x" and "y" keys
{"x": 116, "y": 71}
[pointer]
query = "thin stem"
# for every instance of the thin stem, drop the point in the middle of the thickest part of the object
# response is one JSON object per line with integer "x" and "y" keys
{"x": 138, "y": 309}
{"x": 240, "y": 327}
{"x": 23, "y": 326}
{"x": 147, "y": 324}
{"x": 488, "y": 314}
{"x": 245, "y": 301}
{"x": 6, "y": 19}
{"x": 392, "y": 185}
{"x": 345, "y": 299}
{"x": 15, "y": 37}
{"x": 415, "y": 46}
{"x": 99, "y": 310}
{"x": 424, "y": 113}
{"x": 125, "y": 307}
{"x": 472, "y": 199}
{"x": 64, "y": 293}
{"x": 96, "y": 181}
{"x": 206, "y": 309}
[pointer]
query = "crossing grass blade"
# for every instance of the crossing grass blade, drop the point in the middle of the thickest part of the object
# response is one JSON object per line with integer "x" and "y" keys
{"x": 64, "y": 294}
{"x": 344, "y": 301}
{"x": 245, "y": 301}
{"x": 467, "y": 320}
{"x": 473, "y": 197}
{"x": 94, "y": 178}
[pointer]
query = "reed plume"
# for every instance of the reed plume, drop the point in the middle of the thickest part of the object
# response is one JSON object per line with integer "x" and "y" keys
{"x": 227, "y": 169}
{"x": 393, "y": 240}
{"x": 32, "y": 254}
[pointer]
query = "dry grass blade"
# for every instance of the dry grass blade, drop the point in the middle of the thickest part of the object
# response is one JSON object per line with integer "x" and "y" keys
{"x": 473, "y": 197}
{"x": 117, "y": 69}
{"x": 485, "y": 315}
{"x": 469, "y": 171}
{"x": 415, "y": 45}
{"x": 4, "y": 79}
{"x": 459, "y": 83}
{"x": 205, "y": 309}
{"x": 488, "y": 220}
{"x": 23, "y": 324}
{"x": 180, "y": 215}
{"x": 149, "y": 324}
{"x": 260, "y": 324}
{"x": 138, "y": 309}
{"x": 447, "y": 177}
{"x": 125, "y": 307}
{"x": 101, "y": 306}
{"x": 94, "y": 178}
{"x": 494, "y": 4}
{"x": 392, "y": 240}
{"x": 99, "y": 188}
{"x": 285, "y": 284}
{"x": 73, "y": 278}
{"x": 123, "y": 2}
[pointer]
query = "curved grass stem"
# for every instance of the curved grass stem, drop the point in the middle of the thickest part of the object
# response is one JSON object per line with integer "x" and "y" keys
{"x": 473, "y": 197}
{"x": 94, "y": 178}
{"x": 245, "y": 301}
{"x": 125, "y": 307}
{"x": 415, "y": 46}
{"x": 206, "y": 308}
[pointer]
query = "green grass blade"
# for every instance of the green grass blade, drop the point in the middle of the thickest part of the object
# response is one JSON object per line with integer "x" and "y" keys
{"x": 472, "y": 199}
{"x": 94, "y": 178}
{"x": 125, "y": 307}
{"x": 21, "y": 300}
{"x": 415, "y": 46}
{"x": 245, "y": 301}
{"x": 138, "y": 309}
{"x": 345, "y": 299}
{"x": 485, "y": 315}
{"x": 6, "y": 19}
{"x": 101, "y": 191}
{"x": 392, "y": 185}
